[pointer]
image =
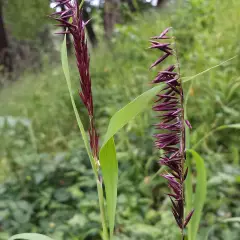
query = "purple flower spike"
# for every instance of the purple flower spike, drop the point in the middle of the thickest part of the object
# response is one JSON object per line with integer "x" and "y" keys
{"x": 172, "y": 139}
{"x": 77, "y": 29}
{"x": 163, "y": 34}
{"x": 188, "y": 124}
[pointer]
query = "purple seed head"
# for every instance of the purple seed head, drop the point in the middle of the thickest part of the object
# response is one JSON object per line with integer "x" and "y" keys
{"x": 171, "y": 140}
{"x": 71, "y": 19}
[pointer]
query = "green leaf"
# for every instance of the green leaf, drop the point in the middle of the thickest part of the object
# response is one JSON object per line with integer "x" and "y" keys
{"x": 109, "y": 166}
{"x": 65, "y": 67}
{"x": 30, "y": 236}
{"x": 189, "y": 194}
{"x": 186, "y": 79}
{"x": 130, "y": 111}
{"x": 108, "y": 159}
{"x": 199, "y": 197}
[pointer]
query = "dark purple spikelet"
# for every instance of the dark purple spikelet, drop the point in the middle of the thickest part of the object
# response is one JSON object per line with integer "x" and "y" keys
{"x": 76, "y": 27}
{"x": 171, "y": 140}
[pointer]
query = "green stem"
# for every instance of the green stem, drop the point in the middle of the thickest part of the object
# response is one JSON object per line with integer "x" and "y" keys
{"x": 102, "y": 209}
{"x": 100, "y": 199}
{"x": 94, "y": 167}
{"x": 188, "y": 181}
{"x": 189, "y": 193}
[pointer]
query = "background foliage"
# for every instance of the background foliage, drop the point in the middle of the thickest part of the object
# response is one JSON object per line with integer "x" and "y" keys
{"x": 46, "y": 182}
{"x": 25, "y": 17}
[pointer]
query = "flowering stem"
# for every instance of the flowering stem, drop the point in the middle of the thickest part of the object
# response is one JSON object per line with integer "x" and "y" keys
{"x": 170, "y": 102}
{"x": 183, "y": 136}
{"x": 71, "y": 18}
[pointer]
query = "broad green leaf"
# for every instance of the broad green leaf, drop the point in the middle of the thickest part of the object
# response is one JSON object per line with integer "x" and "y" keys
{"x": 130, "y": 111}
{"x": 199, "y": 196}
{"x": 30, "y": 236}
{"x": 109, "y": 166}
{"x": 65, "y": 67}
{"x": 108, "y": 159}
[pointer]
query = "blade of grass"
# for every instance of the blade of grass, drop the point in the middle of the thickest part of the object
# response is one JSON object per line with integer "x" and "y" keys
{"x": 131, "y": 110}
{"x": 188, "y": 181}
{"x": 108, "y": 159}
{"x": 109, "y": 166}
{"x": 236, "y": 125}
{"x": 189, "y": 193}
{"x": 207, "y": 70}
{"x": 200, "y": 194}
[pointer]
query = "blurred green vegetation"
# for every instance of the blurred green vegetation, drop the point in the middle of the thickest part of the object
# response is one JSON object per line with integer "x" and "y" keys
{"x": 47, "y": 183}
{"x": 26, "y": 18}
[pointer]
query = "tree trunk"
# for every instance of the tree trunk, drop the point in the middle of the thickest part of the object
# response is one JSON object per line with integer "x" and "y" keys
{"x": 111, "y": 16}
{"x": 5, "y": 57}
